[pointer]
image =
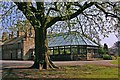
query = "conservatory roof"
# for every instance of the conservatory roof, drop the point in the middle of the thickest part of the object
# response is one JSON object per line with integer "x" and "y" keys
{"x": 67, "y": 39}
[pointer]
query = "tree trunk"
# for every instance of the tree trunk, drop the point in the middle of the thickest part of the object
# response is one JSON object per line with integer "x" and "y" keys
{"x": 42, "y": 59}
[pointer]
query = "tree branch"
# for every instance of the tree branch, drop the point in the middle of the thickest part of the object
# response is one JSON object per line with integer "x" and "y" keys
{"x": 52, "y": 9}
{"x": 54, "y": 20}
{"x": 28, "y": 13}
{"x": 81, "y": 26}
{"x": 92, "y": 20}
{"x": 8, "y": 10}
{"x": 107, "y": 13}
{"x": 77, "y": 4}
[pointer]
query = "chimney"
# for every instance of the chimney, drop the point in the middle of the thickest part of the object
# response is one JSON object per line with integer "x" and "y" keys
{"x": 31, "y": 32}
{"x": 11, "y": 36}
{"x": 20, "y": 33}
{"x": 4, "y": 36}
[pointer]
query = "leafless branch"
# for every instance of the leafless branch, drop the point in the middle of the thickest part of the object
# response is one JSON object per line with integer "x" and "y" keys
{"x": 53, "y": 10}
{"x": 92, "y": 20}
{"x": 81, "y": 26}
{"x": 8, "y": 10}
{"x": 107, "y": 13}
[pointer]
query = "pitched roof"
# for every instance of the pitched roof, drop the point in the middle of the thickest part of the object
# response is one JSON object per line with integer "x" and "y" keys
{"x": 65, "y": 39}
{"x": 62, "y": 39}
{"x": 14, "y": 40}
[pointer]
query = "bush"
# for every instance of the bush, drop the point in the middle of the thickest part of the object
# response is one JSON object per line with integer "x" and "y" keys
{"x": 114, "y": 57}
{"x": 101, "y": 50}
{"x": 107, "y": 57}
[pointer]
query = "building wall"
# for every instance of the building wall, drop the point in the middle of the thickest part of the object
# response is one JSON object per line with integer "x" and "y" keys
{"x": 10, "y": 51}
{"x": 28, "y": 44}
{"x": 0, "y": 52}
{"x": 20, "y": 49}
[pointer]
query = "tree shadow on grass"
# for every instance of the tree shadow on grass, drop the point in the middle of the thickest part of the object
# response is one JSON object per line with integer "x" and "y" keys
{"x": 9, "y": 73}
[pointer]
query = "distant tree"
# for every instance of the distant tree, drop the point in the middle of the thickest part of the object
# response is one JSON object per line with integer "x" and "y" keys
{"x": 101, "y": 50}
{"x": 116, "y": 44}
{"x": 105, "y": 48}
{"x": 115, "y": 49}
{"x": 119, "y": 48}
{"x": 23, "y": 26}
{"x": 4, "y": 36}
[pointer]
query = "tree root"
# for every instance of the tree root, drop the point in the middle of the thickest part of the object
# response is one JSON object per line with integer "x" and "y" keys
{"x": 47, "y": 64}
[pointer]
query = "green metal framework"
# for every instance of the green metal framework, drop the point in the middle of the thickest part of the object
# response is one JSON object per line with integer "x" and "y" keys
{"x": 70, "y": 46}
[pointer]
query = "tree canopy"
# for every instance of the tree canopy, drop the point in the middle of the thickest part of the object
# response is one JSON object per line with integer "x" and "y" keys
{"x": 91, "y": 18}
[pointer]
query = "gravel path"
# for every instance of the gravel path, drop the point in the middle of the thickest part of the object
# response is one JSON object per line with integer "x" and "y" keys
{"x": 6, "y": 63}
{"x": 98, "y": 62}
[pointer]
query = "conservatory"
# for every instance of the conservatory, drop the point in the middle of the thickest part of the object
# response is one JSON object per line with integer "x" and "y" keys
{"x": 71, "y": 46}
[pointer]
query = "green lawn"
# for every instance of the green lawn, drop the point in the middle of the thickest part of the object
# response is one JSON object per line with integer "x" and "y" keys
{"x": 86, "y": 71}
{"x": 116, "y": 61}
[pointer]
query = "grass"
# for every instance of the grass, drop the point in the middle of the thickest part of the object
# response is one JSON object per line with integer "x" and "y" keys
{"x": 86, "y": 71}
{"x": 116, "y": 61}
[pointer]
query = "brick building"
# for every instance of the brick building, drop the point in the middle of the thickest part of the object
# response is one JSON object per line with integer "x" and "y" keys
{"x": 0, "y": 49}
{"x": 19, "y": 47}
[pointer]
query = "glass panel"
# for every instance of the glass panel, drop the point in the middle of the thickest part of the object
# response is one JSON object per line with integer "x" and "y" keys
{"x": 19, "y": 56}
{"x": 61, "y": 50}
{"x": 56, "y": 50}
{"x": 55, "y": 47}
{"x": 51, "y": 52}
{"x": 67, "y": 51}
{"x": 19, "y": 45}
{"x": 67, "y": 47}
{"x": 74, "y": 49}
{"x": 71, "y": 39}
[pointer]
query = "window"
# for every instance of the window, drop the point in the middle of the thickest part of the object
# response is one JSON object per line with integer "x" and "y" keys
{"x": 19, "y": 55}
{"x": 61, "y": 50}
{"x": 55, "y": 50}
{"x": 19, "y": 45}
{"x": 74, "y": 49}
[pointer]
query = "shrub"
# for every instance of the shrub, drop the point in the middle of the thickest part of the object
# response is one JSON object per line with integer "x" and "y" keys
{"x": 107, "y": 57}
{"x": 101, "y": 50}
{"x": 114, "y": 58}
